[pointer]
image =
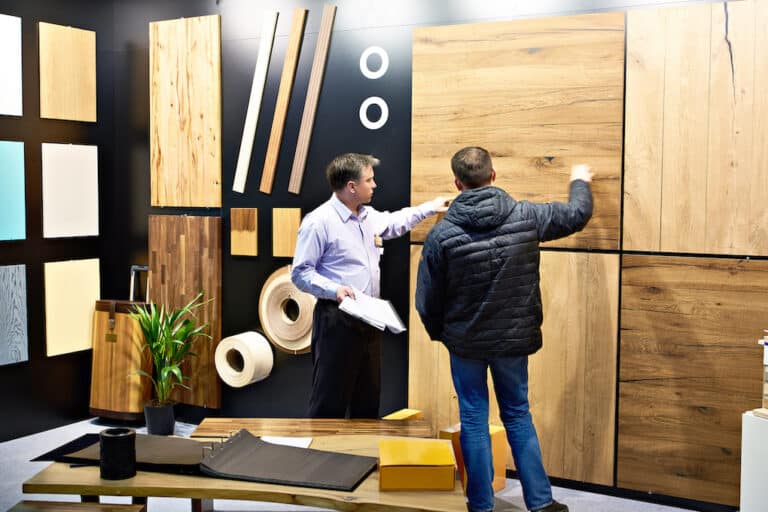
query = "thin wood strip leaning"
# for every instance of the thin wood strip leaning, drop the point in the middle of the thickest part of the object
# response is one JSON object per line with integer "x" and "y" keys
{"x": 313, "y": 95}
{"x": 283, "y": 98}
{"x": 268, "y": 29}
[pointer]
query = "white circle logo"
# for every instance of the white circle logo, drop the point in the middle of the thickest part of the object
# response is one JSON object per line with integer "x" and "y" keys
{"x": 365, "y": 70}
{"x": 374, "y": 125}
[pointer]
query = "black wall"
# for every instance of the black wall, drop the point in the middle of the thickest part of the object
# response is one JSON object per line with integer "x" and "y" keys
{"x": 47, "y": 392}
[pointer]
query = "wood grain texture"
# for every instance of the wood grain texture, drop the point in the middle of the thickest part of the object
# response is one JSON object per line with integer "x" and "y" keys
{"x": 285, "y": 229}
{"x": 310, "y": 427}
{"x": 688, "y": 369}
{"x": 283, "y": 99}
{"x": 539, "y": 94}
{"x": 244, "y": 231}
{"x": 185, "y": 111}
{"x": 59, "y": 478}
{"x": 184, "y": 259}
{"x": 58, "y": 506}
{"x": 67, "y": 73}
{"x": 14, "y": 342}
{"x": 116, "y": 389}
{"x": 714, "y": 166}
{"x": 572, "y": 379}
{"x": 313, "y": 95}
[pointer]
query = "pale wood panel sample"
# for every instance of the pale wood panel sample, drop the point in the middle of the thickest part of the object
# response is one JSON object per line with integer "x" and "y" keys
{"x": 185, "y": 111}
{"x": 644, "y": 129}
{"x": 14, "y": 341}
{"x": 551, "y": 95}
{"x": 283, "y": 99}
{"x": 313, "y": 427}
{"x": 572, "y": 378}
{"x": 759, "y": 189}
{"x": 244, "y": 232}
{"x": 688, "y": 370}
{"x": 67, "y": 73}
{"x": 71, "y": 291}
{"x": 285, "y": 229}
{"x": 313, "y": 95}
{"x": 184, "y": 259}
{"x": 268, "y": 28}
{"x": 11, "y": 103}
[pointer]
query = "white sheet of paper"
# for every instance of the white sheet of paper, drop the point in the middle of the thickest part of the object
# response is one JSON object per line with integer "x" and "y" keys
{"x": 377, "y": 312}
{"x": 299, "y": 442}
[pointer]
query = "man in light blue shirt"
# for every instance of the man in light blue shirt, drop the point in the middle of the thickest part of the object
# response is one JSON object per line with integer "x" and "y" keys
{"x": 337, "y": 252}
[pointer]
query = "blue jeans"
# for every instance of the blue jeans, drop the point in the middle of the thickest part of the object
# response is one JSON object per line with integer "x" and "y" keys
{"x": 510, "y": 380}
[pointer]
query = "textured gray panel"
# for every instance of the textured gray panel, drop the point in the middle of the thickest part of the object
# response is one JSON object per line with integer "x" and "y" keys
{"x": 13, "y": 314}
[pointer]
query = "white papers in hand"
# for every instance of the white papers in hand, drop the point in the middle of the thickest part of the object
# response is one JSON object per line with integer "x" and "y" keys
{"x": 376, "y": 312}
{"x": 298, "y": 442}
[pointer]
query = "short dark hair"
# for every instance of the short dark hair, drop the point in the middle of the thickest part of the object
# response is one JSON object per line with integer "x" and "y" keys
{"x": 348, "y": 167}
{"x": 472, "y": 166}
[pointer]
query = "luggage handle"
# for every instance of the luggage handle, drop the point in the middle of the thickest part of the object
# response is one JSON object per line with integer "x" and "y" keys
{"x": 136, "y": 269}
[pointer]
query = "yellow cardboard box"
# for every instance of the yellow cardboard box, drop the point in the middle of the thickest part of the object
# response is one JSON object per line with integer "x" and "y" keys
{"x": 499, "y": 449}
{"x": 415, "y": 464}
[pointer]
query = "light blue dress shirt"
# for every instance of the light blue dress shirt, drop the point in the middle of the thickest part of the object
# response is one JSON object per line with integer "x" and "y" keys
{"x": 337, "y": 247}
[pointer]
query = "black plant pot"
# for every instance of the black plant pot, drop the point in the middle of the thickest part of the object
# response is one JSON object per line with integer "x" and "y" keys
{"x": 160, "y": 419}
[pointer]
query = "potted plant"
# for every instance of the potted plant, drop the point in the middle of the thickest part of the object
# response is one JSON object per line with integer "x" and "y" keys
{"x": 168, "y": 336}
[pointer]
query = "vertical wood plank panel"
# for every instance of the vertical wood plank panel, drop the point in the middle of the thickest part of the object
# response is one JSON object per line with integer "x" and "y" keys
{"x": 184, "y": 259}
{"x": 285, "y": 230}
{"x": 758, "y": 232}
{"x": 13, "y": 314}
{"x": 185, "y": 111}
{"x": 244, "y": 233}
{"x": 283, "y": 99}
{"x": 643, "y": 129}
{"x": 688, "y": 370}
{"x": 551, "y": 95}
{"x": 67, "y": 73}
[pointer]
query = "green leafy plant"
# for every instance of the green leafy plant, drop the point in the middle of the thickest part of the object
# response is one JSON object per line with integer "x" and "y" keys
{"x": 168, "y": 336}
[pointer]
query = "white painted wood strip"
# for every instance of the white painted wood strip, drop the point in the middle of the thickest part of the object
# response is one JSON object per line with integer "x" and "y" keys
{"x": 10, "y": 64}
{"x": 268, "y": 29}
{"x": 70, "y": 190}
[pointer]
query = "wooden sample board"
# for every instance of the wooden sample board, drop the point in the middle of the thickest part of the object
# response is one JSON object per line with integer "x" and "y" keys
{"x": 244, "y": 232}
{"x": 696, "y": 159}
{"x": 283, "y": 99}
{"x": 67, "y": 73}
{"x": 689, "y": 367}
{"x": 285, "y": 230}
{"x": 71, "y": 291}
{"x": 313, "y": 96}
{"x": 572, "y": 378}
{"x": 185, "y": 111}
{"x": 10, "y": 63}
{"x": 13, "y": 225}
{"x": 540, "y": 94}
{"x": 184, "y": 259}
{"x": 14, "y": 341}
{"x": 311, "y": 427}
{"x": 70, "y": 190}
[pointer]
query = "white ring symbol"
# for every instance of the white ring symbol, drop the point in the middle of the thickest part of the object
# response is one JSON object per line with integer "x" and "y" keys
{"x": 374, "y": 125}
{"x": 365, "y": 70}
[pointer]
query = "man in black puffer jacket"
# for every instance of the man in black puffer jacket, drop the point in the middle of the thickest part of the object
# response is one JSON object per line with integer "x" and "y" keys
{"x": 478, "y": 292}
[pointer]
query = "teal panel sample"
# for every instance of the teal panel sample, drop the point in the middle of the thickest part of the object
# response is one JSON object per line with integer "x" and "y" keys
{"x": 12, "y": 214}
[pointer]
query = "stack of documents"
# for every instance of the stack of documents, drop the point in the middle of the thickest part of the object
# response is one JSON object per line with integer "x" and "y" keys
{"x": 376, "y": 312}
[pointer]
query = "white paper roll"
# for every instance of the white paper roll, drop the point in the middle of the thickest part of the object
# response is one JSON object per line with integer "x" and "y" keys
{"x": 243, "y": 359}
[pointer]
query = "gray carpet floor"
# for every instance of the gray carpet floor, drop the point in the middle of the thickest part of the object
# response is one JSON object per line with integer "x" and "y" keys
{"x": 17, "y": 468}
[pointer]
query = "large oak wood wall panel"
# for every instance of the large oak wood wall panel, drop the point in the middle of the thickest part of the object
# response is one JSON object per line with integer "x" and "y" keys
{"x": 572, "y": 379}
{"x": 540, "y": 94}
{"x": 184, "y": 259}
{"x": 696, "y": 167}
{"x": 688, "y": 369}
{"x": 185, "y": 111}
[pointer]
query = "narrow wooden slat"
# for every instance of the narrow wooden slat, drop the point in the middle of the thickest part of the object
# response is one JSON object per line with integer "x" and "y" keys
{"x": 688, "y": 369}
{"x": 643, "y": 129}
{"x": 283, "y": 99}
{"x": 244, "y": 233}
{"x": 185, "y": 112}
{"x": 67, "y": 73}
{"x": 268, "y": 28}
{"x": 184, "y": 259}
{"x": 311, "y": 427}
{"x": 313, "y": 95}
{"x": 285, "y": 229}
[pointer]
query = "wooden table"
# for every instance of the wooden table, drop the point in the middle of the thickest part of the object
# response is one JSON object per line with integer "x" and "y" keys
{"x": 311, "y": 427}
{"x": 59, "y": 478}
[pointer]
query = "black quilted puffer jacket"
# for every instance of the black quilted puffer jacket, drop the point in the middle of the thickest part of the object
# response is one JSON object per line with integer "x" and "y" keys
{"x": 478, "y": 282}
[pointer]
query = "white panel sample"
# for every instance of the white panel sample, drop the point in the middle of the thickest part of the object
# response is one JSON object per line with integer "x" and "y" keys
{"x": 71, "y": 291}
{"x": 10, "y": 64}
{"x": 254, "y": 103}
{"x": 70, "y": 190}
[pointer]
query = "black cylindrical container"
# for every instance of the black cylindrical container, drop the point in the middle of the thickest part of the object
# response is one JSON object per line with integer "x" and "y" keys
{"x": 118, "y": 453}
